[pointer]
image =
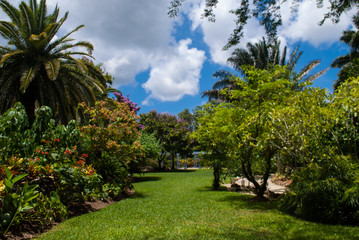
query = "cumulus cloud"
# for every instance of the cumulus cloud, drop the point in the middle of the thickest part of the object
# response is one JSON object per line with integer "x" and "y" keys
{"x": 301, "y": 26}
{"x": 174, "y": 75}
{"x": 304, "y": 24}
{"x": 126, "y": 34}
{"x": 216, "y": 34}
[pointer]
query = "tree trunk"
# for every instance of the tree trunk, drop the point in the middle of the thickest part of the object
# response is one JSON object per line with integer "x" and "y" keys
{"x": 259, "y": 189}
{"x": 217, "y": 176}
{"x": 172, "y": 161}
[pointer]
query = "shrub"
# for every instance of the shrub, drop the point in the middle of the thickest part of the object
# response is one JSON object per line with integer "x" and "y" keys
{"x": 112, "y": 140}
{"x": 325, "y": 192}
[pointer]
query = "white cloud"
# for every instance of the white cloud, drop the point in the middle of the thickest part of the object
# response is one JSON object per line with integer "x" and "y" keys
{"x": 175, "y": 74}
{"x": 304, "y": 25}
{"x": 300, "y": 27}
{"x": 126, "y": 34}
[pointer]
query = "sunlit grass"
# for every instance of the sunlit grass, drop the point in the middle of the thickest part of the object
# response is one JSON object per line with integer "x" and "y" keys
{"x": 181, "y": 205}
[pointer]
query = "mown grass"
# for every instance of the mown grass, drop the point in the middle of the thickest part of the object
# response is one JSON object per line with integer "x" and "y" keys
{"x": 181, "y": 205}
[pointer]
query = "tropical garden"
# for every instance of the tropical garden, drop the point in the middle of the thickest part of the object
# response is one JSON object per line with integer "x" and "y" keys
{"x": 68, "y": 138}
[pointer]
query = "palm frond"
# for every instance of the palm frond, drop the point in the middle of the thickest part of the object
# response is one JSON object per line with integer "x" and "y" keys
{"x": 41, "y": 15}
{"x": 28, "y": 20}
{"x": 56, "y": 26}
{"x": 83, "y": 44}
{"x": 308, "y": 68}
{"x": 12, "y": 12}
{"x": 62, "y": 39}
{"x": 52, "y": 69}
{"x": 340, "y": 61}
{"x": 9, "y": 32}
{"x": 9, "y": 55}
{"x": 26, "y": 78}
{"x": 33, "y": 5}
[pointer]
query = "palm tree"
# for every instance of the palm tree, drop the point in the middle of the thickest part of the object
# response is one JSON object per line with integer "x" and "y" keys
{"x": 37, "y": 69}
{"x": 348, "y": 63}
{"x": 225, "y": 81}
{"x": 261, "y": 55}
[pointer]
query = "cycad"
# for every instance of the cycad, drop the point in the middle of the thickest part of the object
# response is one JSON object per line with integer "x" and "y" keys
{"x": 38, "y": 69}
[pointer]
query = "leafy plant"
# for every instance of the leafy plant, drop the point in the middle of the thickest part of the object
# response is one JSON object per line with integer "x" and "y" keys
{"x": 17, "y": 199}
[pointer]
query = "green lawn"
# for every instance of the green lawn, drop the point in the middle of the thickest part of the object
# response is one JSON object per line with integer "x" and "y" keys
{"x": 180, "y": 205}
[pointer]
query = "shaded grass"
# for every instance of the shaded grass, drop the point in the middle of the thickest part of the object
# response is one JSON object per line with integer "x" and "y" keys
{"x": 181, "y": 205}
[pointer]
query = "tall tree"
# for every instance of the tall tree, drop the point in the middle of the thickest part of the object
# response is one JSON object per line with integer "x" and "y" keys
{"x": 262, "y": 55}
{"x": 37, "y": 69}
{"x": 266, "y": 12}
{"x": 348, "y": 63}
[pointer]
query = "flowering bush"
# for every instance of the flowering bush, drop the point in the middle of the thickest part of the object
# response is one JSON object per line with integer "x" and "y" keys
{"x": 47, "y": 156}
{"x": 122, "y": 99}
{"x": 112, "y": 138}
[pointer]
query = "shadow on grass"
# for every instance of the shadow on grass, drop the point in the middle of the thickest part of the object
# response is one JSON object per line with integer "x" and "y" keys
{"x": 145, "y": 179}
{"x": 243, "y": 201}
{"x": 139, "y": 195}
{"x": 174, "y": 171}
{"x": 210, "y": 189}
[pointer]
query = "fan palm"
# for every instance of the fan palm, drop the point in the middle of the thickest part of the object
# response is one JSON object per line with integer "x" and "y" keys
{"x": 348, "y": 63}
{"x": 38, "y": 69}
{"x": 261, "y": 55}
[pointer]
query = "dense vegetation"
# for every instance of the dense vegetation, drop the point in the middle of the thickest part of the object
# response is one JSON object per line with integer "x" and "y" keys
{"x": 64, "y": 141}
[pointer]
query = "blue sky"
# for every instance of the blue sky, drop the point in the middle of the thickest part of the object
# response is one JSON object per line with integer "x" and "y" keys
{"x": 165, "y": 64}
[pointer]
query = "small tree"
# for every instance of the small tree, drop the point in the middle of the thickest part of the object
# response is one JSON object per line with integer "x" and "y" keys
{"x": 242, "y": 130}
{"x": 173, "y": 133}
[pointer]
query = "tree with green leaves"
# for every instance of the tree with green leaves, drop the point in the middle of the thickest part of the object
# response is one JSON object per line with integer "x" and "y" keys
{"x": 262, "y": 55}
{"x": 172, "y": 132}
{"x": 240, "y": 131}
{"x": 38, "y": 69}
{"x": 319, "y": 131}
{"x": 187, "y": 116}
{"x": 212, "y": 135}
{"x": 266, "y": 12}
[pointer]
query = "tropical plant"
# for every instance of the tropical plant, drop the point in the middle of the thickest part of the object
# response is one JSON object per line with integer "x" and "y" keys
{"x": 16, "y": 199}
{"x": 261, "y": 55}
{"x": 349, "y": 62}
{"x": 225, "y": 81}
{"x": 38, "y": 69}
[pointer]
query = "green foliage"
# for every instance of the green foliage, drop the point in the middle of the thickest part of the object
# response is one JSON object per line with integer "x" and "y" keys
{"x": 47, "y": 156}
{"x": 48, "y": 209}
{"x": 37, "y": 70}
{"x": 112, "y": 139}
{"x": 240, "y": 133}
{"x": 173, "y": 133}
{"x": 16, "y": 199}
{"x": 151, "y": 145}
{"x": 325, "y": 192}
{"x": 76, "y": 183}
{"x": 321, "y": 132}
